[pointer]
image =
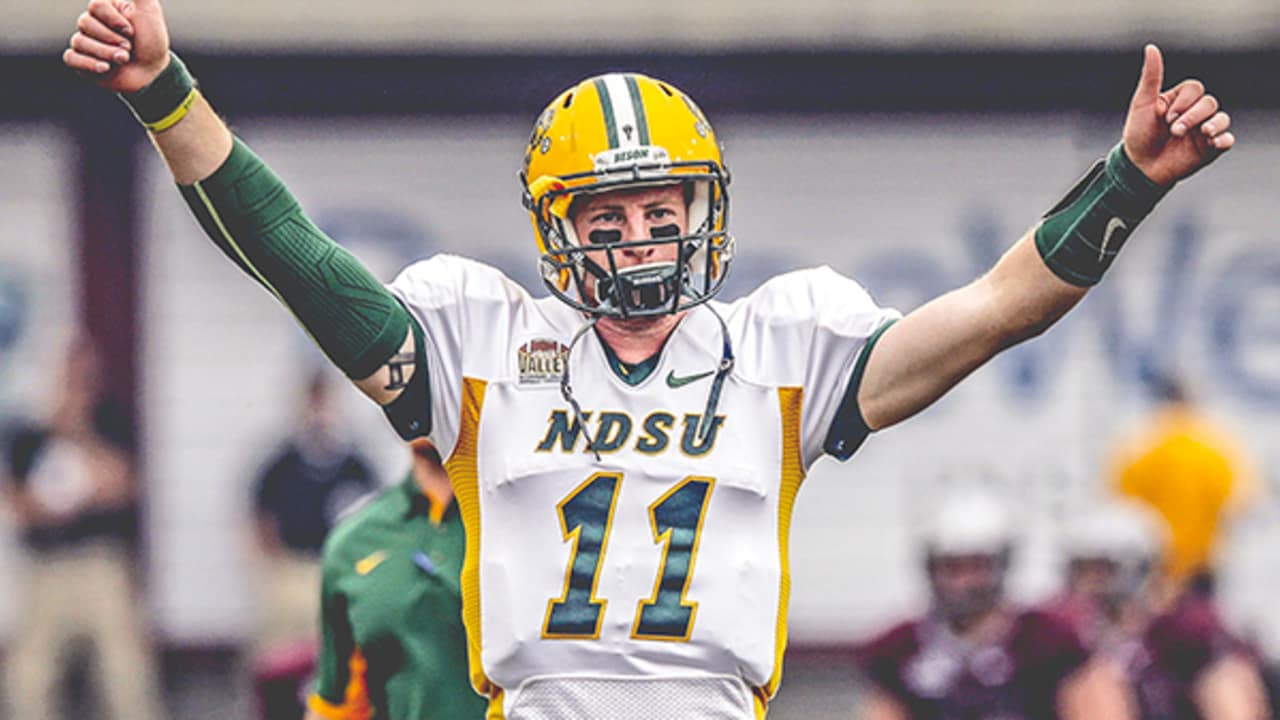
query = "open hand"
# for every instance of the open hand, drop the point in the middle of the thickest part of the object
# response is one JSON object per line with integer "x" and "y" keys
{"x": 121, "y": 45}
{"x": 1169, "y": 135}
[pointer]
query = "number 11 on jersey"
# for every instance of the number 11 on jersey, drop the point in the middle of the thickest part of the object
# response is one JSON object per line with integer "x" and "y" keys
{"x": 586, "y": 517}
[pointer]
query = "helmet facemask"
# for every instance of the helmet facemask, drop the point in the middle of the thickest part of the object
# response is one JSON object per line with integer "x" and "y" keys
{"x": 962, "y": 605}
{"x": 703, "y": 254}
{"x": 625, "y": 131}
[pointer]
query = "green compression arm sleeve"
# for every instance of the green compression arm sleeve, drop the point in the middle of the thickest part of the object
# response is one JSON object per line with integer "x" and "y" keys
{"x": 253, "y": 218}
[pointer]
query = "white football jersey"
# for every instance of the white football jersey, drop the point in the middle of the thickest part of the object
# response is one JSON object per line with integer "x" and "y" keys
{"x": 656, "y": 573}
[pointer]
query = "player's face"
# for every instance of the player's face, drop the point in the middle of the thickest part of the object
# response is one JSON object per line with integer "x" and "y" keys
{"x": 965, "y": 573}
{"x": 632, "y": 214}
{"x": 1092, "y": 577}
{"x": 967, "y": 586}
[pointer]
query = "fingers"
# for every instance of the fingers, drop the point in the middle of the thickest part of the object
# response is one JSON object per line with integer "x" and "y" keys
{"x": 1181, "y": 97}
{"x": 1217, "y": 128}
{"x": 96, "y": 29}
{"x": 87, "y": 46}
{"x": 1148, "y": 89}
{"x": 1216, "y": 125}
{"x": 102, "y": 38}
{"x": 84, "y": 63}
{"x": 110, "y": 15}
{"x": 1202, "y": 109}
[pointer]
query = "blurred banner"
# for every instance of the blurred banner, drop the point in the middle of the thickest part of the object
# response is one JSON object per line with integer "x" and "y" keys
{"x": 575, "y": 25}
{"x": 38, "y": 289}
{"x": 909, "y": 206}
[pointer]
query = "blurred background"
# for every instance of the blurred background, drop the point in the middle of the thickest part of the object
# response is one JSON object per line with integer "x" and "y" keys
{"x": 906, "y": 144}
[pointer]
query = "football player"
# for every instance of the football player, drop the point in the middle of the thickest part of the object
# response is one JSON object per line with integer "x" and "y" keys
{"x": 626, "y": 454}
{"x": 975, "y": 654}
{"x": 1169, "y": 640}
{"x": 1112, "y": 551}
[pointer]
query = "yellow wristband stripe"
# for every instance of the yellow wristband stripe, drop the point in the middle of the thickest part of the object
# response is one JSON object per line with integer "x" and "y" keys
{"x": 176, "y": 115}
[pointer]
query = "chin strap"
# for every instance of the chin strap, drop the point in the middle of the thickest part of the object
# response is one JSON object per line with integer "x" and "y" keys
{"x": 717, "y": 384}
{"x": 713, "y": 397}
{"x": 566, "y": 390}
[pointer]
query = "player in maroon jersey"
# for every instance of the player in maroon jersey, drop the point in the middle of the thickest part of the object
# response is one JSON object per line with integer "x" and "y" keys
{"x": 975, "y": 655}
{"x": 1180, "y": 660}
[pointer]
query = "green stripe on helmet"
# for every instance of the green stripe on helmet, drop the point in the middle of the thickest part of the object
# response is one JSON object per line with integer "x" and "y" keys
{"x": 638, "y": 104}
{"x": 606, "y": 104}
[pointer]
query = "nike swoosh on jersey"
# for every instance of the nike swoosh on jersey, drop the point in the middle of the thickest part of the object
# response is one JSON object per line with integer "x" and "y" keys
{"x": 369, "y": 564}
{"x": 1113, "y": 225}
{"x": 673, "y": 381}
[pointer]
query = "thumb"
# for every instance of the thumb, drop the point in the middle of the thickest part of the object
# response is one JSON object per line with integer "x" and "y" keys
{"x": 133, "y": 8}
{"x": 1148, "y": 83}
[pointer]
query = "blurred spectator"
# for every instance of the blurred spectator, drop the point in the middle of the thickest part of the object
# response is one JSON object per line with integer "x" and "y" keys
{"x": 393, "y": 642}
{"x": 302, "y": 490}
{"x": 1192, "y": 473}
{"x": 71, "y": 485}
{"x": 1169, "y": 641}
{"x": 974, "y": 654}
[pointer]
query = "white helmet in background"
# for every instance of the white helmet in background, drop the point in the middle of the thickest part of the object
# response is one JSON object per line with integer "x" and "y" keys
{"x": 968, "y": 544}
{"x": 1127, "y": 537}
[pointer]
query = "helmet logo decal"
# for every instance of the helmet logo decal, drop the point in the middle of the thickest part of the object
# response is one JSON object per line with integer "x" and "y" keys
{"x": 625, "y": 158}
{"x": 541, "y": 136}
{"x": 700, "y": 124}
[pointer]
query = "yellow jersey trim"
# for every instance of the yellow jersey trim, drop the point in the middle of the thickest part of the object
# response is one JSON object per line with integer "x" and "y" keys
{"x": 464, "y": 476}
{"x": 790, "y": 403}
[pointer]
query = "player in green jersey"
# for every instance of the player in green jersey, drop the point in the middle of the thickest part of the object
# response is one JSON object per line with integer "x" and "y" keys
{"x": 393, "y": 645}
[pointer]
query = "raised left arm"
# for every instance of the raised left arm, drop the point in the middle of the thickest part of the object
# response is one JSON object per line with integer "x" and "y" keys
{"x": 1167, "y": 137}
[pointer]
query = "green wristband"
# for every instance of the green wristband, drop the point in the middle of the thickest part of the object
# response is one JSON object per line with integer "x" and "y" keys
{"x": 1080, "y": 237}
{"x": 160, "y": 105}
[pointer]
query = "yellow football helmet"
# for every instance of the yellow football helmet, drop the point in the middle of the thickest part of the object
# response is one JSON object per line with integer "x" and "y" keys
{"x": 625, "y": 130}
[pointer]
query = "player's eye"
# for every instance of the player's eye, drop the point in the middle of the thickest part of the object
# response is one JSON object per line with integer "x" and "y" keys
{"x": 610, "y": 217}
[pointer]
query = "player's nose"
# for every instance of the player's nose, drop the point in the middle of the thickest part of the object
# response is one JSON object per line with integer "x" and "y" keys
{"x": 636, "y": 228}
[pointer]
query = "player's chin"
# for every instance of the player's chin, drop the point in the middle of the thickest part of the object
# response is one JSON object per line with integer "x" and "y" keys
{"x": 648, "y": 323}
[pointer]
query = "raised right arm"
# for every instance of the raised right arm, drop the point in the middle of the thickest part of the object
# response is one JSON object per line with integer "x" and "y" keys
{"x": 251, "y": 216}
